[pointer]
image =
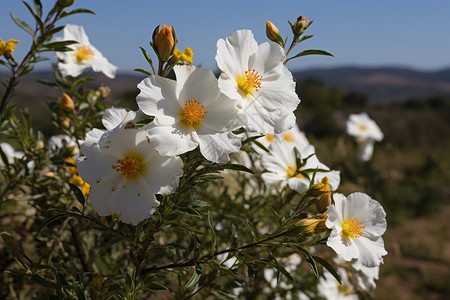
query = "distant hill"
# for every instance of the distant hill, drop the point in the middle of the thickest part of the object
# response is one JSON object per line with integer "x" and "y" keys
{"x": 381, "y": 85}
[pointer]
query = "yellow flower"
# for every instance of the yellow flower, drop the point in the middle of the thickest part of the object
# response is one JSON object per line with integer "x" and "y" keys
{"x": 73, "y": 170}
{"x": 7, "y": 48}
{"x": 79, "y": 182}
{"x": 186, "y": 56}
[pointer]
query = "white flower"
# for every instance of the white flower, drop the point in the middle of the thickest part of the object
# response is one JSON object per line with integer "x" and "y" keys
{"x": 281, "y": 166}
{"x": 190, "y": 112}
{"x": 294, "y": 137}
{"x": 331, "y": 289}
{"x": 10, "y": 153}
{"x": 366, "y": 132}
{"x": 365, "y": 276}
{"x": 362, "y": 127}
{"x": 357, "y": 223}
{"x": 125, "y": 172}
{"x": 62, "y": 141}
{"x": 84, "y": 55}
{"x": 111, "y": 119}
{"x": 257, "y": 78}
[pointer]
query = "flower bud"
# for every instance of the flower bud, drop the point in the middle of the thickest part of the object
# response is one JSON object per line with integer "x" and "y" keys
{"x": 104, "y": 91}
{"x": 272, "y": 31}
{"x": 311, "y": 225}
{"x": 39, "y": 144}
{"x": 65, "y": 122}
{"x": 324, "y": 201}
{"x": 300, "y": 25}
{"x": 65, "y": 3}
{"x": 321, "y": 188}
{"x": 164, "y": 42}
{"x": 66, "y": 102}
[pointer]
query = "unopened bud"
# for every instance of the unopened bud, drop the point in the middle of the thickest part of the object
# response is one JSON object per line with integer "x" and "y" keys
{"x": 66, "y": 102}
{"x": 321, "y": 188}
{"x": 104, "y": 91}
{"x": 39, "y": 144}
{"x": 312, "y": 225}
{"x": 65, "y": 3}
{"x": 324, "y": 201}
{"x": 300, "y": 25}
{"x": 272, "y": 31}
{"x": 164, "y": 42}
{"x": 65, "y": 122}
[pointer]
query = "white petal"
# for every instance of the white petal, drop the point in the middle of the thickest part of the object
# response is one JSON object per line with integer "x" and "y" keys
{"x": 217, "y": 147}
{"x": 157, "y": 98}
{"x": 75, "y": 33}
{"x": 92, "y": 137}
{"x": 172, "y": 140}
{"x": 113, "y": 117}
{"x": 370, "y": 252}
{"x": 200, "y": 85}
{"x": 234, "y": 52}
{"x": 300, "y": 185}
{"x": 222, "y": 115}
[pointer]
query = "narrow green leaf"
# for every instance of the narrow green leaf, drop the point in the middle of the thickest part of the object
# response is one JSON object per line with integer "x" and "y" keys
{"x": 156, "y": 287}
{"x": 329, "y": 267}
{"x": 232, "y": 242}
{"x": 237, "y": 167}
{"x": 195, "y": 277}
{"x": 50, "y": 221}
{"x": 280, "y": 269}
{"x": 22, "y": 24}
{"x": 213, "y": 234}
{"x": 148, "y": 58}
{"x": 39, "y": 280}
{"x": 38, "y": 7}
{"x": 311, "y": 52}
{"x": 250, "y": 270}
{"x": 36, "y": 17}
{"x": 309, "y": 259}
{"x": 78, "y": 194}
{"x": 304, "y": 38}
{"x": 59, "y": 44}
{"x": 76, "y": 11}
{"x": 143, "y": 72}
{"x": 252, "y": 231}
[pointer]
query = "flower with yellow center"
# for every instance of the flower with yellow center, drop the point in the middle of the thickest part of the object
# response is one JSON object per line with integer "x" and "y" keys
{"x": 7, "y": 48}
{"x": 329, "y": 288}
{"x": 125, "y": 172}
{"x": 357, "y": 223}
{"x": 282, "y": 168}
{"x": 366, "y": 132}
{"x": 84, "y": 55}
{"x": 190, "y": 112}
{"x": 256, "y": 77}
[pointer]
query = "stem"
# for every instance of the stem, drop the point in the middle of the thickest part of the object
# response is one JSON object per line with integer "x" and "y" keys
{"x": 294, "y": 42}
{"x": 192, "y": 262}
{"x": 16, "y": 75}
{"x": 76, "y": 241}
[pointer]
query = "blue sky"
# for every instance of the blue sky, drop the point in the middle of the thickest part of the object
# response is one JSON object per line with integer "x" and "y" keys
{"x": 401, "y": 33}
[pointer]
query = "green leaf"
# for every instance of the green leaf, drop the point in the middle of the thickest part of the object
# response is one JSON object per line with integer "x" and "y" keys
{"x": 280, "y": 269}
{"x": 237, "y": 167}
{"x": 38, "y": 7}
{"x": 213, "y": 234}
{"x": 59, "y": 44}
{"x": 36, "y": 17}
{"x": 329, "y": 267}
{"x": 39, "y": 280}
{"x": 250, "y": 270}
{"x": 156, "y": 287}
{"x": 76, "y": 11}
{"x": 304, "y": 38}
{"x": 148, "y": 58}
{"x": 309, "y": 259}
{"x": 252, "y": 231}
{"x": 22, "y": 24}
{"x": 195, "y": 277}
{"x": 78, "y": 194}
{"x": 311, "y": 52}
{"x": 232, "y": 242}
{"x": 145, "y": 72}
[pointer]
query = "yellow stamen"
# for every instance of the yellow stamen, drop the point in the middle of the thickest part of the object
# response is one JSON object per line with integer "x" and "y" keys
{"x": 362, "y": 127}
{"x": 290, "y": 171}
{"x": 193, "y": 113}
{"x": 131, "y": 165}
{"x": 288, "y": 137}
{"x": 352, "y": 229}
{"x": 270, "y": 137}
{"x": 249, "y": 82}
{"x": 83, "y": 53}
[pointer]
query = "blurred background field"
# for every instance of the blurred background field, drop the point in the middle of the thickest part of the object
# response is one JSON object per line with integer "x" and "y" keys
{"x": 409, "y": 172}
